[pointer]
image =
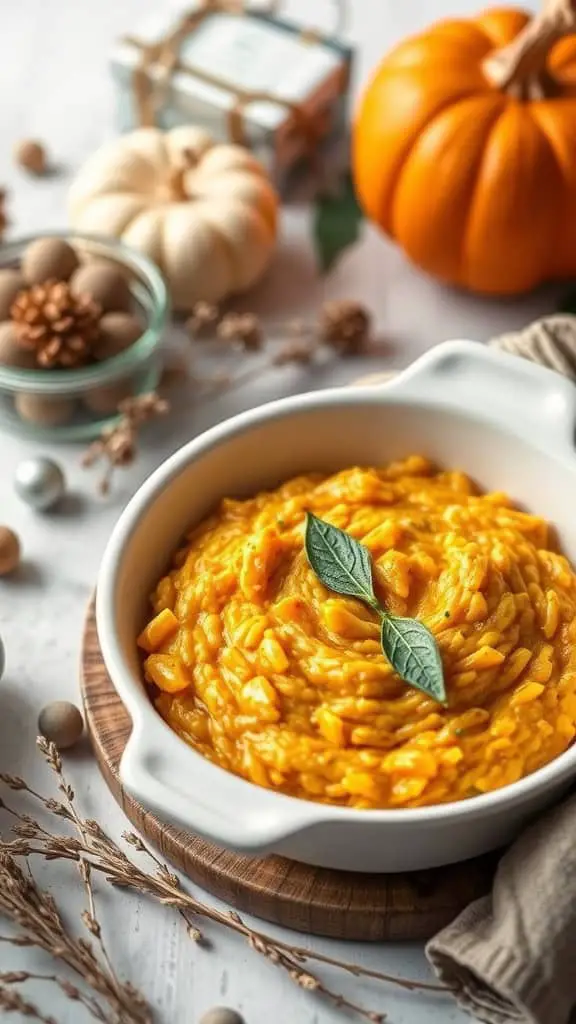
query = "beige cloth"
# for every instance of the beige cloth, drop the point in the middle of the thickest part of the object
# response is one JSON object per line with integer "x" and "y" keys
{"x": 511, "y": 956}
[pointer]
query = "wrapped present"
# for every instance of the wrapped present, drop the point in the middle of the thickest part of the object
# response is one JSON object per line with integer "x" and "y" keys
{"x": 246, "y": 75}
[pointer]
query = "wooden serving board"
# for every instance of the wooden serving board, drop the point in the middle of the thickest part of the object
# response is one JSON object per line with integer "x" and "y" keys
{"x": 337, "y": 904}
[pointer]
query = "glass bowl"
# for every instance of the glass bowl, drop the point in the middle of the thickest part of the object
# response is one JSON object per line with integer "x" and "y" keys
{"x": 78, "y": 404}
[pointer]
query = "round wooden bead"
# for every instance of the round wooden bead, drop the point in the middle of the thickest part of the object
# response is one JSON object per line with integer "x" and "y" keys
{"x": 11, "y": 282}
{"x": 11, "y": 353}
{"x": 116, "y": 332}
{"x": 46, "y": 412}
{"x": 61, "y": 723}
{"x": 221, "y": 1015}
{"x": 9, "y": 551}
{"x": 103, "y": 282}
{"x": 31, "y": 155}
{"x": 47, "y": 258}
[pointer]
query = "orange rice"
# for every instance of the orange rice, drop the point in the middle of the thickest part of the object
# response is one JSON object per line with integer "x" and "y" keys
{"x": 269, "y": 675}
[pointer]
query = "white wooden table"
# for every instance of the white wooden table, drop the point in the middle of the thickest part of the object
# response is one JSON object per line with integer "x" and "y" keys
{"x": 54, "y": 85}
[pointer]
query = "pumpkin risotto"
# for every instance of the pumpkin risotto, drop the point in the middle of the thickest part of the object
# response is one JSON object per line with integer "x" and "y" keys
{"x": 268, "y": 674}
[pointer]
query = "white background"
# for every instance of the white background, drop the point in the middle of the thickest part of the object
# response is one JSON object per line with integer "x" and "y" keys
{"x": 54, "y": 85}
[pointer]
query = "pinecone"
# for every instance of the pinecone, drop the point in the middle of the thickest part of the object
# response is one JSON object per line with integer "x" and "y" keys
{"x": 344, "y": 325}
{"x": 60, "y": 327}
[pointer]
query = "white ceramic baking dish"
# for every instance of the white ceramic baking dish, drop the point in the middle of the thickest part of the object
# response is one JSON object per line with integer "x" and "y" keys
{"x": 503, "y": 420}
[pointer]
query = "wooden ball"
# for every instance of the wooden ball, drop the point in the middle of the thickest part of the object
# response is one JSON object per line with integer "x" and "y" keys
{"x": 221, "y": 1015}
{"x": 46, "y": 412}
{"x": 11, "y": 353}
{"x": 105, "y": 283}
{"x": 61, "y": 723}
{"x": 31, "y": 155}
{"x": 9, "y": 551}
{"x": 11, "y": 282}
{"x": 117, "y": 331}
{"x": 107, "y": 398}
{"x": 47, "y": 258}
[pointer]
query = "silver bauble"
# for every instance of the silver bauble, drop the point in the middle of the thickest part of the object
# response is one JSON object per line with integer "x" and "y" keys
{"x": 39, "y": 482}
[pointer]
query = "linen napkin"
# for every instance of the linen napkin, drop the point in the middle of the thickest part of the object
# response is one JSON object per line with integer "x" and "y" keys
{"x": 510, "y": 958}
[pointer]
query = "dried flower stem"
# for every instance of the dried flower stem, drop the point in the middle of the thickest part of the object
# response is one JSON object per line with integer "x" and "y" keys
{"x": 73, "y": 993}
{"x": 95, "y": 847}
{"x": 89, "y": 917}
{"x": 12, "y": 1002}
{"x": 341, "y": 327}
{"x": 117, "y": 446}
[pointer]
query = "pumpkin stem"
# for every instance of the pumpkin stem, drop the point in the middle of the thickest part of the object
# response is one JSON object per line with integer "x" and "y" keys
{"x": 177, "y": 179}
{"x": 519, "y": 69}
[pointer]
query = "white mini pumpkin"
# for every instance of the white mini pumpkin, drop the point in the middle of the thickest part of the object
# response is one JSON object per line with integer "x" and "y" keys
{"x": 205, "y": 212}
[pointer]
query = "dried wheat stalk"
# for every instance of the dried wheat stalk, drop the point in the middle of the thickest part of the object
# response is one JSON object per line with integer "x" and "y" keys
{"x": 38, "y": 923}
{"x": 94, "y": 849}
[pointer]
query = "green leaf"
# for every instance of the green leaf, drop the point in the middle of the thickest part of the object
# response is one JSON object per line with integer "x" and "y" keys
{"x": 341, "y": 563}
{"x": 413, "y": 652}
{"x": 337, "y": 221}
{"x": 344, "y": 565}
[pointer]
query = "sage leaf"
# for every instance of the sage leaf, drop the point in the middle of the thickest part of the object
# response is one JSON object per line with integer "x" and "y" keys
{"x": 413, "y": 652}
{"x": 344, "y": 566}
{"x": 340, "y": 562}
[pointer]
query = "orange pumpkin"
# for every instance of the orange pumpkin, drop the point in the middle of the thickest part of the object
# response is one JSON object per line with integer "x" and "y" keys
{"x": 465, "y": 149}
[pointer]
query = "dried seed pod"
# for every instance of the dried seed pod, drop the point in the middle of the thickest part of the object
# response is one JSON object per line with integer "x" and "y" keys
{"x": 345, "y": 326}
{"x": 11, "y": 282}
{"x": 61, "y": 723}
{"x": 31, "y": 155}
{"x": 11, "y": 352}
{"x": 46, "y": 412}
{"x": 241, "y": 329}
{"x": 116, "y": 332}
{"x": 105, "y": 283}
{"x": 9, "y": 551}
{"x": 49, "y": 258}
{"x": 204, "y": 316}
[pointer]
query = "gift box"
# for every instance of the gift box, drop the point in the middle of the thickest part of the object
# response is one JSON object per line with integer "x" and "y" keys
{"x": 247, "y": 76}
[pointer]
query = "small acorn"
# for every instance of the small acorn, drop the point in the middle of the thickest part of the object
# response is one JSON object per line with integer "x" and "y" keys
{"x": 9, "y": 551}
{"x": 105, "y": 284}
{"x": 61, "y": 723}
{"x": 11, "y": 353}
{"x": 47, "y": 258}
{"x": 106, "y": 399}
{"x": 11, "y": 282}
{"x": 46, "y": 412}
{"x": 31, "y": 155}
{"x": 221, "y": 1015}
{"x": 117, "y": 331}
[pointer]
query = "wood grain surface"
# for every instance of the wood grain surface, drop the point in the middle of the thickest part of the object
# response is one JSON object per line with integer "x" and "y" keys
{"x": 317, "y": 901}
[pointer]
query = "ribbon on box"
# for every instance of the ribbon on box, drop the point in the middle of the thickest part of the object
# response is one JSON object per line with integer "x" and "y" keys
{"x": 164, "y": 56}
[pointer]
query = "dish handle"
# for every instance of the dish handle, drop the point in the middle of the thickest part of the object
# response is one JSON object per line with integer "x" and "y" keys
{"x": 470, "y": 377}
{"x": 254, "y": 826}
